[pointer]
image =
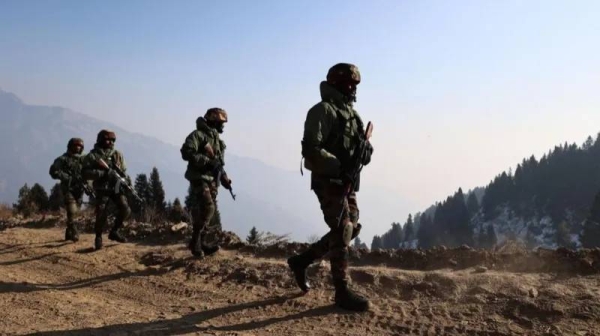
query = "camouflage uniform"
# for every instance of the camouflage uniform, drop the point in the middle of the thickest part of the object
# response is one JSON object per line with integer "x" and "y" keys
{"x": 200, "y": 173}
{"x": 67, "y": 169}
{"x": 104, "y": 186}
{"x": 332, "y": 132}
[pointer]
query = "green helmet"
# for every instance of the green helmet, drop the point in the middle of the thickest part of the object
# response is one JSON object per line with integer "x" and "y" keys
{"x": 103, "y": 138}
{"x": 344, "y": 77}
{"x": 216, "y": 118}
{"x": 72, "y": 145}
{"x": 216, "y": 114}
{"x": 343, "y": 73}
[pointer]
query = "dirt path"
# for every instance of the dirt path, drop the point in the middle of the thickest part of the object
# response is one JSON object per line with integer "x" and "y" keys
{"x": 49, "y": 287}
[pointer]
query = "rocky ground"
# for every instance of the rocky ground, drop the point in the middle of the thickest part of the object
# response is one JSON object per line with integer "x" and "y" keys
{"x": 151, "y": 286}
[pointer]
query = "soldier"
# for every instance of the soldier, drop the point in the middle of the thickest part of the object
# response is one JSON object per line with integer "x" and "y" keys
{"x": 205, "y": 152}
{"x": 67, "y": 169}
{"x": 106, "y": 185}
{"x": 332, "y": 132}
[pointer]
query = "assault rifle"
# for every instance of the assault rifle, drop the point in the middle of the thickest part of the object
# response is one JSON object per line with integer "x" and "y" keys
{"x": 77, "y": 181}
{"x": 355, "y": 165}
{"x": 121, "y": 178}
{"x": 219, "y": 173}
{"x": 81, "y": 183}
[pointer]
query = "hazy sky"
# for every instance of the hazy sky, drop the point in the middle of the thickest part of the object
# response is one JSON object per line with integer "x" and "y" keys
{"x": 458, "y": 90}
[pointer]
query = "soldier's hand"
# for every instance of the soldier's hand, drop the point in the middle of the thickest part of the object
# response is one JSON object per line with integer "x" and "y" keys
{"x": 346, "y": 177}
{"x": 226, "y": 181}
{"x": 214, "y": 164}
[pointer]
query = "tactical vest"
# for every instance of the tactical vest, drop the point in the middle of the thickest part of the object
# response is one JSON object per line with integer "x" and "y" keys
{"x": 342, "y": 139}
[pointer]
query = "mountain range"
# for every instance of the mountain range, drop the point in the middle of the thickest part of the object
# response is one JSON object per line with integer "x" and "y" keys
{"x": 269, "y": 198}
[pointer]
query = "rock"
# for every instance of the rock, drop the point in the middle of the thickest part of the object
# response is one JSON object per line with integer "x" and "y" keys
{"x": 481, "y": 269}
{"x": 533, "y": 293}
{"x": 179, "y": 227}
{"x": 453, "y": 262}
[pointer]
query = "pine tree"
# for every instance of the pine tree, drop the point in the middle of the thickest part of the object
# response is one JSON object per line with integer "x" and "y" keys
{"x": 463, "y": 234}
{"x": 253, "y": 237}
{"x": 157, "y": 192}
{"x": 426, "y": 233}
{"x": 563, "y": 237}
{"x": 491, "y": 237}
{"x": 24, "y": 204}
{"x": 39, "y": 197}
{"x": 376, "y": 243}
{"x": 56, "y": 200}
{"x": 409, "y": 230}
{"x": 472, "y": 205}
{"x": 142, "y": 188}
{"x": 176, "y": 213}
{"x": 357, "y": 242}
{"x": 590, "y": 237}
{"x": 530, "y": 241}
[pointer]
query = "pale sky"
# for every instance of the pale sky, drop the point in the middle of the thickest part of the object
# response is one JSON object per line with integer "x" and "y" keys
{"x": 458, "y": 90}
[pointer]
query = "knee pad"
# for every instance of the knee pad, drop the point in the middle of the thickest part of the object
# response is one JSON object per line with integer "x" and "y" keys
{"x": 356, "y": 230}
{"x": 347, "y": 231}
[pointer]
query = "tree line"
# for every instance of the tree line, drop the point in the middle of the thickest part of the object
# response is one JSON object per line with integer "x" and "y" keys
{"x": 563, "y": 184}
{"x": 153, "y": 209}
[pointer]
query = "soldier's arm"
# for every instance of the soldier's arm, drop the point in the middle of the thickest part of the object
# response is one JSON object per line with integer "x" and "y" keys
{"x": 190, "y": 151}
{"x": 90, "y": 169}
{"x": 56, "y": 171}
{"x": 223, "y": 146}
{"x": 122, "y": 164}
{"x": 317, "y": 127}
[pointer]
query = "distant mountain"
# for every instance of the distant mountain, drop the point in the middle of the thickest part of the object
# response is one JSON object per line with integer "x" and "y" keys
{"x": 269, "y": 198}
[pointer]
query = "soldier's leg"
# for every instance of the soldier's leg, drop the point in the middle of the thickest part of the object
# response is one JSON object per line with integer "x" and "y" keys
{"x": 72, "y": 207}
{"x": 213, "y": 228}
{"x": 354, "y": 214}
{"x": 123, "y": 213}
{"x": 68, "y": 204}
{"x": 339, "y": 244}
{"x": 330, "y": 196}
{"x": 101, "y": 218}
{"x": 202, "y": 213}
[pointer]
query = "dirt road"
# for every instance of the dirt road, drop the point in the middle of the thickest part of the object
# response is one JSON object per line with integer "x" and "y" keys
{"x": 50, "y": 287}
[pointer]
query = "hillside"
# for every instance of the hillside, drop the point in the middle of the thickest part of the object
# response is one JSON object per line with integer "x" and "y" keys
{"x": 545, "y": 202}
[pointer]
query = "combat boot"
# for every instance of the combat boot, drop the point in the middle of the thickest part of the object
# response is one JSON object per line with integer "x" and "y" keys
{"x": 210, "y": 249}
{"x": 346, "y": 299}
{"x": 195, "y": 245}
{"x": 68, "y": 233}
{"x": 116, "y": 236}
{"x": 98, "y": 243}
{"x": 298, "y": 264}
{"x": 74, "y": 234}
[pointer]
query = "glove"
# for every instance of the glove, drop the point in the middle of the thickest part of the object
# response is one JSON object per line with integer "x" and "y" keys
{"x": 226, "y": 181}
{"x": 214, "y": 164}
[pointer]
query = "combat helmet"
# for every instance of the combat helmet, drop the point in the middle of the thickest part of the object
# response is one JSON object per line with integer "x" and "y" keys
{"x": 75, "y": 142}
